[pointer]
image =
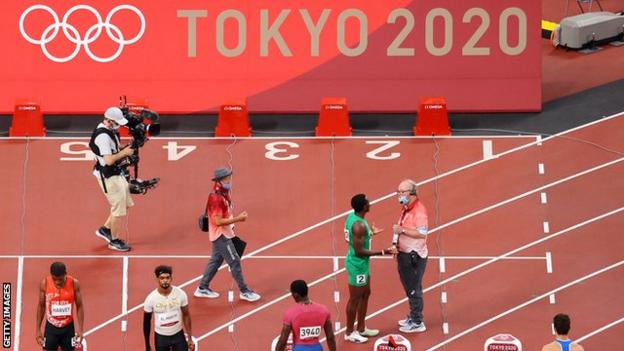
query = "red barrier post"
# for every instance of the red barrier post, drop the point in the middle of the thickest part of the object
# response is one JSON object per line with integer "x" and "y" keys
{"x": 27, "y": 119}
{"x": 432, "y": 117}
{"x": 233, "y": 120}
{"x": 333, "y": 118}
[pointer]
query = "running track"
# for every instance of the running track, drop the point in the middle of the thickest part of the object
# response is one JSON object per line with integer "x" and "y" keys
{"x": 513, "y": 242}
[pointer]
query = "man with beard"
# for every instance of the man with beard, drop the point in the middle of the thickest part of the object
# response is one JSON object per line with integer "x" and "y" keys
{"x": 172, "y": 318}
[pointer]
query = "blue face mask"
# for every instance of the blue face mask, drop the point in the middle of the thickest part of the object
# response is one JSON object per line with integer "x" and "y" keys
{"x": 226, "y": 186}
{"x": 403, "y": 199}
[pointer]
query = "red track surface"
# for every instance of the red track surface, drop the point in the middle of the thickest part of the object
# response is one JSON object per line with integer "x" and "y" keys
{"x": 63, "y": 206}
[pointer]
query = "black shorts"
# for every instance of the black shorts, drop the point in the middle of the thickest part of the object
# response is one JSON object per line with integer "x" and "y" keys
{"x": 175, "y": 342}
{"x": 55, "y": 337}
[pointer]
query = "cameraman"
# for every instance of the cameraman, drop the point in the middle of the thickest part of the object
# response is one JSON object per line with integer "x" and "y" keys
{"x": 110, "y": 174}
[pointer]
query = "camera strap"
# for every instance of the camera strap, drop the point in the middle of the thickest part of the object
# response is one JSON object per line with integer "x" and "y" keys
{"x": 103, "y": 182}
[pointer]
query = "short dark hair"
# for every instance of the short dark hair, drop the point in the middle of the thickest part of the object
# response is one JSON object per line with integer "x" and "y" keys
{"x": 58, "y": 269}
{"x": 562, "y": 323}
{"x": 358, "y": 202}
{"x": 299, "y": 287}
{"x": 163, "y": 269}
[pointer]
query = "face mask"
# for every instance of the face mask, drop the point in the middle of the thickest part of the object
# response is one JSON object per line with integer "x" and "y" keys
{"x": 403, "y": 199}
{"x": 226, "y": 186}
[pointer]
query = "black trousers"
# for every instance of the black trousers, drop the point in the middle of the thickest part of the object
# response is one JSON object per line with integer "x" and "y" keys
{"x": 175, "y": 342}
{"x": 55, "y": 337}
{"x": 411, "y": 271}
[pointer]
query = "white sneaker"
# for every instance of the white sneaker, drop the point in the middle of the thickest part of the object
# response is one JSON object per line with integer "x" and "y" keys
{"x": 355, "y": 337}
{"x": 405, "y": 322}
{"x": 249, "y": 295}
{"x": 413, "y": 328}
{"x": 207, "y": 293}
{"x": 369, "y": 332}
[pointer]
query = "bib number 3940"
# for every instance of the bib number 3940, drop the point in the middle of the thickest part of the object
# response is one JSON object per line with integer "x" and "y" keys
{"x": 309, "y": 332}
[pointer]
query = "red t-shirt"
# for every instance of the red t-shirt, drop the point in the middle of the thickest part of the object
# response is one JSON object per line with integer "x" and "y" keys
{"x": 307, "y": 322}
{"x": 59, "y": 302}
{"x": 219, "y": 203}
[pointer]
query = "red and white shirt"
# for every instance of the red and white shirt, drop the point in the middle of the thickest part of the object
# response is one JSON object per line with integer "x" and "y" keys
{"x": 414, "y": 217}
{"x": 219, "y": 203}
{"x": 59, "y": 302}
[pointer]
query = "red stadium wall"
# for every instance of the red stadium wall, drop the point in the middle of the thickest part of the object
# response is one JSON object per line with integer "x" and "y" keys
{"x": 282, "y": 56}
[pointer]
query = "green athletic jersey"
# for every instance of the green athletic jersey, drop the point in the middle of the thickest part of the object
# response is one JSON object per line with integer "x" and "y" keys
{"x": 352, "y": 259}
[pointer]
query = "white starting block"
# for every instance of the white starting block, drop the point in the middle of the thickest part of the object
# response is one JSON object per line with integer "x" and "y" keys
{"x": 502, "y": 342}
{"x": 289, "y": 343}
{"x": 392, "y": 342}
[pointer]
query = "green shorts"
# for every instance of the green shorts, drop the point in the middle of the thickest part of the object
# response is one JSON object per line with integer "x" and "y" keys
{"x": 358, "y": 272}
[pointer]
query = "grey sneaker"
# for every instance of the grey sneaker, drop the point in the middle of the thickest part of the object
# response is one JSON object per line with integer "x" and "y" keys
{"x": 206, "y": 292}
{"x": 118, "y": 245}
{"x": 249, "y": 295}
{"x": 413, "y": 328}
{"x": 405, "y": 322}
{"x": 104, "y": 233}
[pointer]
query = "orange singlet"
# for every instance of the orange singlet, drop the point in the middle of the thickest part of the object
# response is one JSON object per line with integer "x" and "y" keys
{"x": 59, "y": 302}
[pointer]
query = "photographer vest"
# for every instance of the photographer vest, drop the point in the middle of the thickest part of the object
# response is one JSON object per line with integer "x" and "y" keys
{"x": 106, "y": 171}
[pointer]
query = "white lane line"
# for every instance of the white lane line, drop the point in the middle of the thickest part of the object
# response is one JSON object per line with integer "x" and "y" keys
{"x": 296, "y": 234}
{"x": 262, "y": 307}
{"x": 549, "y": 266}
{"x": 546, "y": 226}
{"x": 539, "y": 140}
{"x": 442, "y": 265}
{"x": 445, "y": 328}
{"x": 335, "y": 262}
{"x": 540, "y": 168}
{"x": 544, "y": 198}
{"x": 124, "y": 293}
{"x": 505, "y": 202}
{"x": 487, "y": 149}
{"x": 336, "y": 296}
{"x": 230, "y": 296}
{"x": 18, "y": 305}
{"x": 551, "y": 299}
{"x": 529, "y": 302}
{"x": 336, "y": 259}
{"x": 489, "y": 262}
{"x": 443, "y": 297}
{"x": 600, "y": 330}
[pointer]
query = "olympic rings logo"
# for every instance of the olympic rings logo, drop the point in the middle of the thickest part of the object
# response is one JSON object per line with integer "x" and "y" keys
{"x": 72, "y": 34}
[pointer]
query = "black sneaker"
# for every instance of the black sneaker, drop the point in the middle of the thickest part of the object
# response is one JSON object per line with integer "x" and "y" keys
{"x": 119, "y": 245}
{"x": 104, "y": 233}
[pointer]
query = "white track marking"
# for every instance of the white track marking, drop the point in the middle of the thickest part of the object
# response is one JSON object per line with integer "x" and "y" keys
{"x": 540, "y": 168}
{"x": 600, "y": 330}
{"x": 124, "y": 292}
{"x": 487, "y": 149}
{"x": 546, "y": 226}
{"x": 549, "y": 266}
{"x": 18, "y": 305}
{"x": 513, "y": 309}
{"x": 487, "y": 263}
{"x": 262, "y": 307}
{"x": 392, "y": 195}
{"x": 544, "y": 198}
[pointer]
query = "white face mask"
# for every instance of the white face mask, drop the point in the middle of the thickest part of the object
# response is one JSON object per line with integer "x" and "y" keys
{"x": 403, "y": 199}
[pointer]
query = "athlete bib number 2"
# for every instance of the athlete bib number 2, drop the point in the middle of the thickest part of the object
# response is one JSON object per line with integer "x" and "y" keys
{"x": 309, "y": 332}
